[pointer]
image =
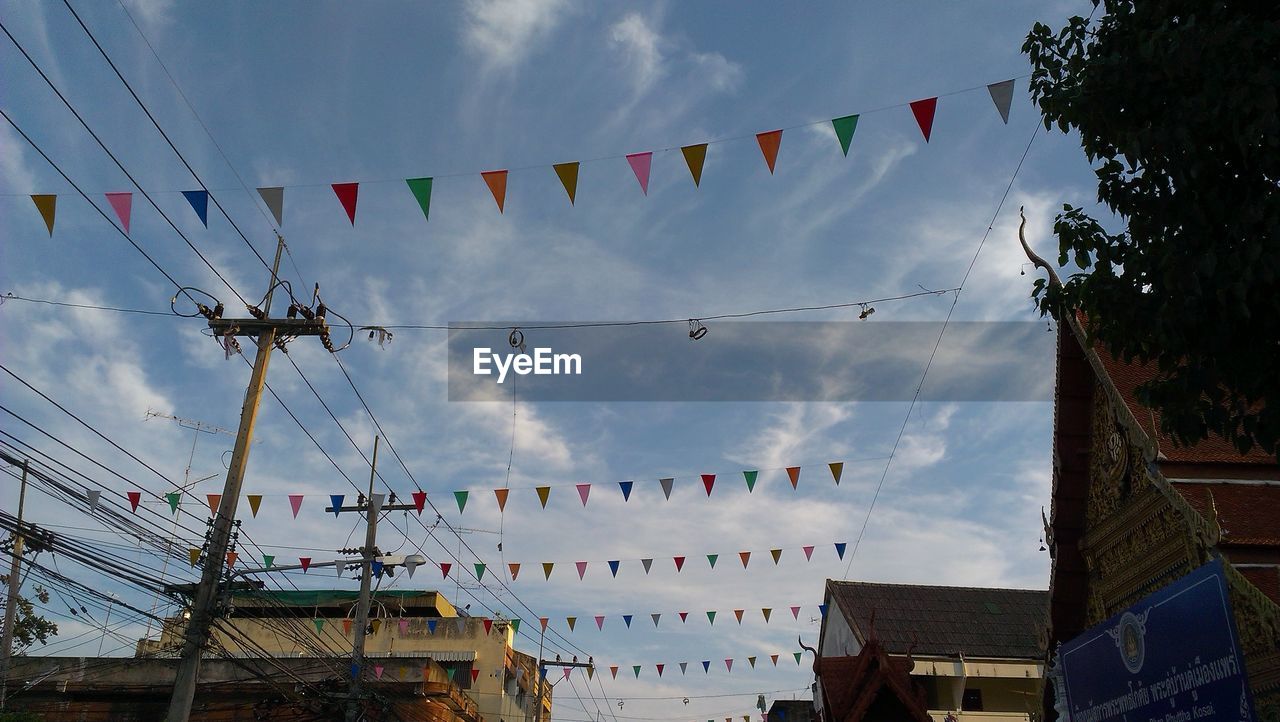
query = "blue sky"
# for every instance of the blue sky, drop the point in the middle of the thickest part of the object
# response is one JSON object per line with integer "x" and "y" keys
{"x": 304, "y": 95}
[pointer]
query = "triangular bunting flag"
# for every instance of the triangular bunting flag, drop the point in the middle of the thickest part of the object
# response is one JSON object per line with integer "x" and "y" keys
{"x": 840, "y": 549}
{"x": 1002, "y": 96}
{"x": 567, "y": 671}
{"x": 419, "y": 500}
{"x": 501, "y": 495}
{"x": 795, "y": 612}
{"x": 215, "y": 500}
{"x": 613, "y": 566}
{"x": 515, "y": 626}
{"x": 421, "y": 188}
{"x": 706, "y": 666}
{"x": 255, "y": 502}
{"x": 655, "y": 617}
{"x": 684, "y": 616}
{"x": 122, "y": 203}
{"x": 497, "y": 182}
{"x": 694, "y": 157}
{"x": 376, "y": 501}
{"x": 543, "y": 621}
{"x": 711, "y": 618}
{"x": 923, "y": 111}
{"x": 274, "y": 198}
{"x": 708, "y": 481}
{"x": 295, "y": 503}
{"x": 584, "y": 490}
{"x": 750, "y": 478}
{"x": 582, "y": 569}
{"x": 751, "y": 661}
{"x": 844, "y": 130}
{"x": 591, "y": 672}
{"x": 93, "y": 496}
{"x": 47, "y": 204}
{"x": 544, "y": 492}
{"x": 355, "y": 669}
{"x": 515, "y": 570}
{"x": 769, "y": 143}
{"x": 199, "y": 201}
{"x": 808, "y": 553}
{"x": 636, "y": 668}
{"x": 410, "y": 564}
{"x": 647, "y": 563}
{"x": 613, "y": 668}
{"x": 640, "y": 163}
{"x": 738, "y": 613}
{"x": 268, "y": 560}
{"x": 546, "y": 568}
{"x": 745, "y": 557}
{"x": 194, "y": 555}
{"x": 444, "y": 569}
{"x": 231, "y": 559}
{"x": 475, "y": 674}
{"x": 766, "y": 611}
{"x": 135, "y": 497}
{"x": 461, "y": 498}
{"x": 488, "y": 626}
{"x": 479, "y": 571}
{"x": 305, "y": 562}
{"x": 319, "y": 622}
{"x": 837, "y": 470}
{"x": 777, "y": 554}
{"x": 571, "y": 621}
{"x": 666, "y": 487}
{"x": 375, "y": 568}
{"x": 659, "y": 666}
{"x": 335, "y": 501}
{"x": 683, "y": 667}
{"x": 451, "y": 672}
{"x": 728, "y": 664}
{"x": 793, "y": 473}
{"x": 774, "y": 657}
{"x": 568, "y": 174}
{"x": 679, "y": 562}
{"x": 711, "y": 559}
{"x": 346, "y": 626}
{"x": 822, "y": 609}
{"x": 626, "y": 618}
{"x": 600, "y": 621}
{"x": 173, "y": 498}
{"x": 431, "y": 626}
{"x": 625, "y": 486}
{"x": 797, "y": 656}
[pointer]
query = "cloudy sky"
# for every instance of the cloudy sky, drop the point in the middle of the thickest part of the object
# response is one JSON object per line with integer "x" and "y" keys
{"x": 305, "y": 95}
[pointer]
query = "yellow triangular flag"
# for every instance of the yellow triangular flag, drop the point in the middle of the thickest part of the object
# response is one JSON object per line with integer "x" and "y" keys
{"x": 255, "y": 501}
{"x": 568, "y": 173}
{"x": 837, "y": 469}
{"x": 47, "y": 204}
{"x": 695, "y": 156}
{"x": 543, "y": 493}
{"x": 546, "y": 568}
{"x": 194, "y": 554}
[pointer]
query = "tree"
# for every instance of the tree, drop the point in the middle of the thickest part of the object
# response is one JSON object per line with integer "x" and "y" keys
{"x": 1176, "y": 105}
{"x": 30, "y": 627}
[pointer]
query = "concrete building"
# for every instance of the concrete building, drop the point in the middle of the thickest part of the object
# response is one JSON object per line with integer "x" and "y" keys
{"x": 407, "y": 628}
{"x": 903, "y": 651}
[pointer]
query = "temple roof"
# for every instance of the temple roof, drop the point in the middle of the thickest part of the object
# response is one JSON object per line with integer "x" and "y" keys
{"x": 945, "y": 621}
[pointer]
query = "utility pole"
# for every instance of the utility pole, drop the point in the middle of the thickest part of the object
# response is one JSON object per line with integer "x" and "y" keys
{"x": 206, "y": 598}
{"x": 542, "y": 671}
{"x": 11, "y": 604}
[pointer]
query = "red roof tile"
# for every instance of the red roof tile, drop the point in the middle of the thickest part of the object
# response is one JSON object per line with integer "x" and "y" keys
{"x": 1249, "y": 514}
{"x": 1266, "y": 579}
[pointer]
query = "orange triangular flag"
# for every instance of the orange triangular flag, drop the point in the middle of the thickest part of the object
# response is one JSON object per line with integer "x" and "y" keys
{"x": 738, "y": 613}
{"x": 497, "y": 182}
{"x": 255, "y": 501}
{"x": 769, "y": 143}
{"x": 502, "y": 498}
{"x": 231, "y": 559}
{"x": 543, "y": 493}
{"x": 215, "y": 500}
{"x": 794, "y": 473}
{"x": 694, "y": 157}
{"x": 47, "y": 205}
{"x": 568, "y": 173}
{"x": 515, "y": 570}
{"x": 745, "y": 557}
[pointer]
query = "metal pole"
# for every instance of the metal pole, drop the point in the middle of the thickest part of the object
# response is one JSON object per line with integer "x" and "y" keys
{"x": 355, "y": 705}
{"x": 538, "y": 671}
{"x": 11, "y": 604}
{"x": 202, "y": 610}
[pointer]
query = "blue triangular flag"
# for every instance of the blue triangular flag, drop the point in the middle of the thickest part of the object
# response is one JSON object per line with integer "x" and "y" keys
{"x": 199, "y": 201}
{"x": 627, "y": 618}
{"x": 613, "y": 567}
{"x": 626, "y": 490}
{"x": 840, "y": 549}
{"x": 823, "y": 609}
{"x": 376, "y": 568}
{"x": 706, "y": 666}
{"x": 543, "y": 671}
{"x": 355, "y": 670}
{"x": 431, "y": 626}
{"x": 336, "y": 502}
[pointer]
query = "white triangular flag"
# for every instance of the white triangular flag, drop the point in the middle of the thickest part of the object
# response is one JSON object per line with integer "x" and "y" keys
{"x": 1002, "y": 96}
{"x": 410, "y": 564}
{"x": 93, "y": 496}
{"x": 339, "y": 565}
{"x": 375, "y": 502}
{"x": 274, "y": 198}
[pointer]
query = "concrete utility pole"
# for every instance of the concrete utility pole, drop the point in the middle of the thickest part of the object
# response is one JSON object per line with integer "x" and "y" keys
{"x": 11, "y": 604}
{"x": 542, "y": 671}
{"x": 203, "y": 607}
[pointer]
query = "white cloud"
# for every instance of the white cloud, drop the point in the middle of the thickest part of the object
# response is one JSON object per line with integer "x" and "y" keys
{"x": 641, "y": 48}
{"x": 720, "y": 73}
{"x": 504, "y": 32}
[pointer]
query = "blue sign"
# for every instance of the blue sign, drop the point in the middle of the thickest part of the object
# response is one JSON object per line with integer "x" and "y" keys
{"x": 1172, "y": 657}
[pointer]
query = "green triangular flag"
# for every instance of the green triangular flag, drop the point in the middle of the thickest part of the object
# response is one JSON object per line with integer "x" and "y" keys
{"x": 636, "y": 668}
{"x": 797, "y": 656}
{"x": 844, "y": 130}
{"x": 750, "y": 476}
{"x": 451, "y": 672}
{"x": 318, "y": 622}
{"x": 268, "y": 560}
{"x": 421, "y": 188}
{"x": 173, "y": 498}
{"x": 515, "y": 626}
{"x": 461, "y": 496}
{"x": 479, "y": 571}
{"x": 711, "y": 558}
{"x": 711, "y": 617}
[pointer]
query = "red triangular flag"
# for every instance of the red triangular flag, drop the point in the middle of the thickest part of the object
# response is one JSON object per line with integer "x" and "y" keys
{"x": 444, "y": 569}
{"x": 214, "y": 501}
{"x": 488, "y": 626}
{"x": 305, "y": 562}
{"x": 347, "y": 193}
{"x": 769, "y": 143}
{"x": 582, "y": 569}
{"x": 497, "y": 182}
{"x": 419, "y": 500}
{"x": 923, "y": 110}
{"x": 679, "y": 563}
{"x": 745, "y": 557}
{"x": 135, "y": 497}
{"x": 231, "y": 559}
{"x": 708, "y": 480}
{"x": 793, "y": 472}
{"x": 515, "y": 570}
{"x": 475, "y": 674}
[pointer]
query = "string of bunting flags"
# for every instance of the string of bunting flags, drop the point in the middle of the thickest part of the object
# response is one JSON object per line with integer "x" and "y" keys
{"x": 640, "y": 164}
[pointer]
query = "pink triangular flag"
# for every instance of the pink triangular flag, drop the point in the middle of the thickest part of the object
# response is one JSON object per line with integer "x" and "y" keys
{"x": 640, "y": 163}
{"x": 123, "y": 205}
{"x": 584, "y": 490}
{"x": 795, "y": 612}
{"x": 295, "y": 501}
{"x": 582, "y": 569}
{"x": 923, "y": 110}
{"x": 599, "y": 621}
{"x": 808, "y": 553}
{"x": 347, "y": 193}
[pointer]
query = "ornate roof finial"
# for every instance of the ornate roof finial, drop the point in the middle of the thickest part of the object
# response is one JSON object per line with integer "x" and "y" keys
{"x": 1032, "y": 255}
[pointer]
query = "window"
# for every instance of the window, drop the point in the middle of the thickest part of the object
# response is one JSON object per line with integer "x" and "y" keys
{"x": 972, "y": 701}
